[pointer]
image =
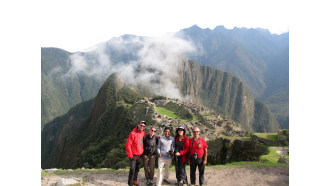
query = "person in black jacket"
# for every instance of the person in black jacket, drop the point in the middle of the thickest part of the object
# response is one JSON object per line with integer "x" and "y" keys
{"x": 149, "y": 155}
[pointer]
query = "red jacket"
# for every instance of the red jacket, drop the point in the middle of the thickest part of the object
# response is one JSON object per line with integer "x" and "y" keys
{"x": 185, "y": 148}
{"x": 134, "y": 144}
{"x": 198, "y": 147}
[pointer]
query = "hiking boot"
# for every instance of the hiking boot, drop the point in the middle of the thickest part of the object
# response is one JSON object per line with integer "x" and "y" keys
{"x": 136, "y": 183}
{"x": 148, "y": 182}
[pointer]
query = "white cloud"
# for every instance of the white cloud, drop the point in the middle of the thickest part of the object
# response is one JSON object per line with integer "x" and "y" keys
{"x": 156, "y": 66}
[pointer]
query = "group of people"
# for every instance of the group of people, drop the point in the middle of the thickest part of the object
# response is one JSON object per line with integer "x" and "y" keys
{"x": 183, "y": 150}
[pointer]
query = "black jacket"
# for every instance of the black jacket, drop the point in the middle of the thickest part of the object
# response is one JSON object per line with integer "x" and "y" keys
{"x": 149, "y": 145}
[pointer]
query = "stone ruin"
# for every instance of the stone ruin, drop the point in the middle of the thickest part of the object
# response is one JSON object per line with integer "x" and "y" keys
{"x": 213, "y": 126}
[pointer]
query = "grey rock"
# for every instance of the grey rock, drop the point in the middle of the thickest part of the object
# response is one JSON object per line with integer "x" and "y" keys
{"x": 50, "y": 170}
{"x": 68, "y": 181}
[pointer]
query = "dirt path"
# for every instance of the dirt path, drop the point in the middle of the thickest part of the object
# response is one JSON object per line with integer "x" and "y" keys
{"x": 245, "y": 176}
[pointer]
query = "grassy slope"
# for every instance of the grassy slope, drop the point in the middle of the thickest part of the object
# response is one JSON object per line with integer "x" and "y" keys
{"x": 171, "y": 114}
{"x": 271, "y": 136}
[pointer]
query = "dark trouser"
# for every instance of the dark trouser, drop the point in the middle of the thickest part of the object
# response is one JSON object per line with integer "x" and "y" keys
{"x": 134, "y": 165}
{"x": 180, "y": 170}
{"x": 193, "y": 164}
{"x": 149, "y": 166}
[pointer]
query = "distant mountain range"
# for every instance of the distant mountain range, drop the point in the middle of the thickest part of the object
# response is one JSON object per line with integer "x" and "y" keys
{"x": 257, "y": 57}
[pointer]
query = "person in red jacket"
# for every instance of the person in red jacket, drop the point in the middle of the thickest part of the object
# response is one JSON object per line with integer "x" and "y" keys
{"x": 198, "y": 157}
{"x": 181, "y": 154}
{"x": 134, "y": 150}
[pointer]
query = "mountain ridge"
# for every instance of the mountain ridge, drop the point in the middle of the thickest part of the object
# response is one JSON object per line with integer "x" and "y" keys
{"x": 256, "y": 56}
{"x": 85, "y": 142}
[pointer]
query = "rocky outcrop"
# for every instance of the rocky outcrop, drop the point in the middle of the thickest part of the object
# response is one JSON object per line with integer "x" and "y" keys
{"x": 69, "y": 181}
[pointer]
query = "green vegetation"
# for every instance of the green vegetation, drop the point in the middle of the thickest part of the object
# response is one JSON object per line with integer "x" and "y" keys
{"x": 249, "y": 164}
{"x": 164, "y": 111}
{"x": 178, "y": 114}
{"x": 195, "y": 118}
{"x": 179, "y": 110}
{"x": 123, "y": 103}
{"x": 271, "y": 136}
{"x": 271, "y": 157}
{"x": 239, "y": 138}
{"x": 223, "y": 134}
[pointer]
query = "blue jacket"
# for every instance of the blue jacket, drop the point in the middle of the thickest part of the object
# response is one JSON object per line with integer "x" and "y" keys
{"x": 164, "y": 146}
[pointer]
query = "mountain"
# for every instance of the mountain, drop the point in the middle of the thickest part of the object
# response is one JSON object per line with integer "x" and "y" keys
{"x": 112, "y": 116}
{"x": 60, "y": 90}
{"x": 256, "y": 56}
{"x": 226, "y": 94}
{"x": 88, "y": 132}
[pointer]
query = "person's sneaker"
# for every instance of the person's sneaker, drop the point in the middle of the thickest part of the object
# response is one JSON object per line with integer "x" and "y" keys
{"x": 136, "y": 182}
{"x": 148, "y": 182}
{"x": 151, "y": 182}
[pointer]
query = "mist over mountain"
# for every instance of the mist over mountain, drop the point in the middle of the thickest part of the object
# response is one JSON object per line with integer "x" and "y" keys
{"x": 69, "y": 79}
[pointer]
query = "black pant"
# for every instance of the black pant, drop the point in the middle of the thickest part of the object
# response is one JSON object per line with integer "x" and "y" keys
{"x": 180, "y": 170}
{"x": 193, "y": 164}
{"x": 134, "y": 165}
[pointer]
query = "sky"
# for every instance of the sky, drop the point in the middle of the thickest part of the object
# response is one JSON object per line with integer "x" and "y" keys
{"x": 79, "y": 25}
{"x": 73, "y": 25}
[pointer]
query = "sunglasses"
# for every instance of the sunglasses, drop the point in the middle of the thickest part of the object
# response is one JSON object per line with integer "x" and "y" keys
{"x": 153, "y": 130}
{"x": 180, "y": 130}
{"x": 195, "y": 131}
{"x": 142, "y": 125}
